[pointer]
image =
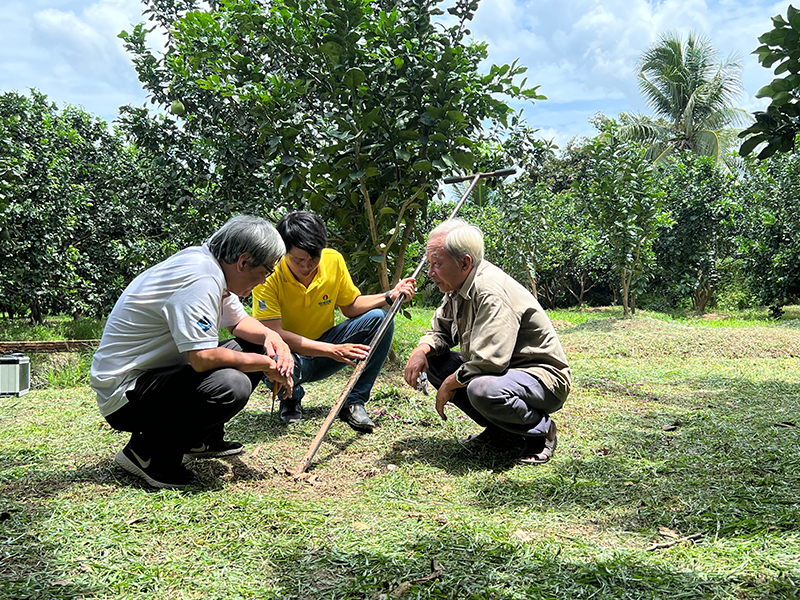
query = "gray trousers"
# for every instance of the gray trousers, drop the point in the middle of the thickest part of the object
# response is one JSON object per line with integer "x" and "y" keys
{"x": 515, "y": 401}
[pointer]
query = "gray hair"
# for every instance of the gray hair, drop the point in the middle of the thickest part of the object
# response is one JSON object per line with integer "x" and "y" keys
{"x": 247, "y": 233}
{"x": 461, "y": 239}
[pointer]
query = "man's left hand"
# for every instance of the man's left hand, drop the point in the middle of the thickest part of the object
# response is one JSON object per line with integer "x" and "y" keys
{"x": 445, "y": 394}
{"x": 274, "y": 345}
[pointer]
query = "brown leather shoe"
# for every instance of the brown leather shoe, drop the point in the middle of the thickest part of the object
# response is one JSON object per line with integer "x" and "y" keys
{"x": 356, "y": 416}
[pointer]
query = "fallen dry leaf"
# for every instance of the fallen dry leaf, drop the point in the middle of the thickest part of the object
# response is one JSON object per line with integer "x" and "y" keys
{"x": 523, "y": 535}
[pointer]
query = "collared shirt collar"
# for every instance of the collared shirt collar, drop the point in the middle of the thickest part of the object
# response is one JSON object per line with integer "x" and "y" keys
{"x": 288, "y": 276}
{"x": 466, "y": 288}
{"x": 207, "y": 250}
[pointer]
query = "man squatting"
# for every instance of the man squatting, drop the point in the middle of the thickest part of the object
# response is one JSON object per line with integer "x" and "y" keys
{"x": 160, "y": 371}
{"x": 511, "y": 372}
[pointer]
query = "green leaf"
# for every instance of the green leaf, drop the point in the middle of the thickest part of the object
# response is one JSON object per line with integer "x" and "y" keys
{"x": 333, "y": 51}
{"x": 410, "y": 134}
{"x": 781, "y": 98}
{"x": 388, "y": 210}
{"x": 422, "y": 165}
{"x": 765, "y": 92}
{"x": 426, "y": 119}
{"x": 794, "y": 17}
{"x": 354, "y": 77}
{"x": 376, "y": 258}
{"x": 749, "y": 145}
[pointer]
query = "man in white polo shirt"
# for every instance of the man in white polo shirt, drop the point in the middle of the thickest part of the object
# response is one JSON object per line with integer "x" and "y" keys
{"x": 160, "y": 371}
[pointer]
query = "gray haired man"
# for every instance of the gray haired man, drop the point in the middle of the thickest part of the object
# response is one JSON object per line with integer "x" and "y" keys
{"x": 160, "y": 371}
{"x": 511, "y": 373}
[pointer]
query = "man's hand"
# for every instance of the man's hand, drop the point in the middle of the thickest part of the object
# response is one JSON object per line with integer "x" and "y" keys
{"x": 284, "y": 382}
{"x": 347, "y": 353}
{"x": 278, "y": 349}
{"x": 445, "y": 394}
{"x": 404, "y": 286}
{"x": 417, "y": 363}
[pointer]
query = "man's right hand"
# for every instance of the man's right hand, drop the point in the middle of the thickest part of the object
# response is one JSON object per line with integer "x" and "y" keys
{"x": 417, "y": 363}
{"x": 285, "y": 382}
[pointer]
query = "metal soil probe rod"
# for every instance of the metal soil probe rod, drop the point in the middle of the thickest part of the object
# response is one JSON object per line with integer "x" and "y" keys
{"x": 337, "y": 406}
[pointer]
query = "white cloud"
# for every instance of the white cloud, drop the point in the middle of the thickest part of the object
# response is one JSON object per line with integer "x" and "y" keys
{"x": 70, "y": 51}
{"x": 583, "y": 53}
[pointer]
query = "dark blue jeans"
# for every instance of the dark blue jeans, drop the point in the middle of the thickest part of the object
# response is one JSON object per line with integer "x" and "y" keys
{"x": 352, "y": 331}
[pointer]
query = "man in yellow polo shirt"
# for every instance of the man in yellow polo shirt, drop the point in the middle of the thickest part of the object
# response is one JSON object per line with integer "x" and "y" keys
{"x": 297, "y": 301}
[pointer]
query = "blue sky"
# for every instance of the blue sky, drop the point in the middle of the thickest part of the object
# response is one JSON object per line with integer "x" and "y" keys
{"x": 582, "y": 53}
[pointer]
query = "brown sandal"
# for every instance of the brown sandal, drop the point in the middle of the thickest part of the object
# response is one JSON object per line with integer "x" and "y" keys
{"x": 535, "y": 456}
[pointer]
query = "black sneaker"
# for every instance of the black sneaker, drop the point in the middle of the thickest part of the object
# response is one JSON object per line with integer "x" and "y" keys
{"x": 219, "y": 449}
{"x": 176, "y": 477}
{"x": 356, "y": 416}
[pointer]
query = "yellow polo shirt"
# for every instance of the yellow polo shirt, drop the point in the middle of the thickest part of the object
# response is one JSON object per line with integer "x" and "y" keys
{"x": 306, "y": 311}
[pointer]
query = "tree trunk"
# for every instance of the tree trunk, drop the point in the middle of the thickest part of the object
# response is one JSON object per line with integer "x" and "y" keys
{"x": 625, "y": 288}
{"x": 701, "y": 296}
{"x": 36, "y": 312}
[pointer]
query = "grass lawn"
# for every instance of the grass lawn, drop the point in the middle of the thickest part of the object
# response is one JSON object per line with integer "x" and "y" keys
{"x": 675, "y": 428}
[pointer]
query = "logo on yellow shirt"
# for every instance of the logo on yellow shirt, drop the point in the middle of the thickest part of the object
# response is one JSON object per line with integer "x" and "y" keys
{"x": 262, "y": 305}
{"x": 325, "y": 300}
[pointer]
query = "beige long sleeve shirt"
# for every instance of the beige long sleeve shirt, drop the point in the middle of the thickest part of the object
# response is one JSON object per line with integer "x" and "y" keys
{"x": 499, "y": 325}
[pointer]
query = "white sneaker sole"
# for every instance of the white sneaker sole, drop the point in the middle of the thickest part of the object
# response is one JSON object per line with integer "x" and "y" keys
{"x": 134, "y": 469}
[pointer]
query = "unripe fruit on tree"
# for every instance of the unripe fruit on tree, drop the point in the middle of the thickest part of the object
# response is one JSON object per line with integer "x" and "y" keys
{"x": 177, "y": 108}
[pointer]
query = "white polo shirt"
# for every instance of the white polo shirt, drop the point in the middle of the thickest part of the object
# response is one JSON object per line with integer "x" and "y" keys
{"x": 174, "y": 307}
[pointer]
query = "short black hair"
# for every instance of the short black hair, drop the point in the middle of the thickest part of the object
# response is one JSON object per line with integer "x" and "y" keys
{"x": 303, "y": 230}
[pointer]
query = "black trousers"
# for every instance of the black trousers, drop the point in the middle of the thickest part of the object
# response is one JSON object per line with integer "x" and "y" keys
{"x": 176, "y": 408}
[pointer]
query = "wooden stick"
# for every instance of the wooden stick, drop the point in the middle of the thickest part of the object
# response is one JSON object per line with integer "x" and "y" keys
{"x": 326, "y": 425}
{"x": 694, "y": 536}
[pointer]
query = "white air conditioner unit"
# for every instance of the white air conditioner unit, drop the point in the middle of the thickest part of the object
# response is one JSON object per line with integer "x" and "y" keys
{"x": 15, "y": 375}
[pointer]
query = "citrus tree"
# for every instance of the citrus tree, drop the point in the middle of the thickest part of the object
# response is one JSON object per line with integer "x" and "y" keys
{"x": 621, "y": 193}
{"x": 74, "y": 225}
{"x": 353, "y": 109}
{"x": 776, "y": 128}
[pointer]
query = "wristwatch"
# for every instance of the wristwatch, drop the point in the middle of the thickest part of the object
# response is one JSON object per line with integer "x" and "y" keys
{"x": 388, "y": 297}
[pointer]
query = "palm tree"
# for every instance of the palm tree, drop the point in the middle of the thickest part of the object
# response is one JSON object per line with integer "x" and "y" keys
{"x": 692, "y": 95}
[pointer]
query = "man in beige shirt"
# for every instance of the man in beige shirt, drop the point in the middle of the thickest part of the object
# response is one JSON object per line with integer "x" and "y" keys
{"x": 511, "y": 372}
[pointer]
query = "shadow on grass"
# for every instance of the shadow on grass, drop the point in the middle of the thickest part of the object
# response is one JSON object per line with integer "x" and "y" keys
{"x": 448, "y": 455}
{"x": 478, "y": 566}
{"x": 725, "y": 464}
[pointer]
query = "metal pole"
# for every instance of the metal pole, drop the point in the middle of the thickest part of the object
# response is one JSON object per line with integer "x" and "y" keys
{"x": 356, "y": 375}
